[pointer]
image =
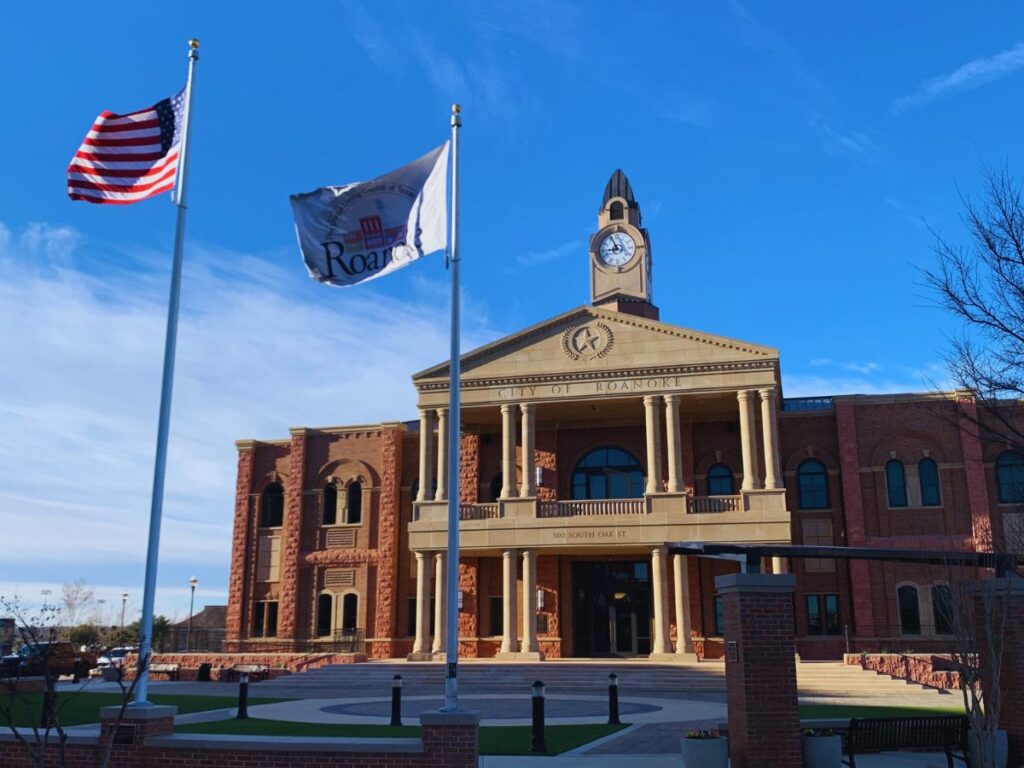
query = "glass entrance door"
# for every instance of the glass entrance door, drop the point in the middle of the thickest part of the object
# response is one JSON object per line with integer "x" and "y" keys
{"x": 611, "y": 609}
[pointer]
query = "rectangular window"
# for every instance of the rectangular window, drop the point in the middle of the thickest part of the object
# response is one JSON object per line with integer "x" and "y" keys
{"x": 818, "y": 533}
{"x": 495, "y": 625}
{"x": 814, "y": 615}
{"x": 719, "y": 617}
{"x": 259, "y": 613}
{"x": 833, "y": 625}
{"x": 433, "y": 614}
{"x": 271, "y": 630}
{"x": 268, "y": 558}
{"x": 410, "y": 624}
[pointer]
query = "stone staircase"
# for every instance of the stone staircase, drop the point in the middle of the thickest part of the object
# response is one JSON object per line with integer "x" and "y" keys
{"x": 835, "y": 683}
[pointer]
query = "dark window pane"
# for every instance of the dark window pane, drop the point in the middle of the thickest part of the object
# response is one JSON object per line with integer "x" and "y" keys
{"x": 1010, "y": 475}
{"x": 720, "y": 481}
{"x": 272, "y": 619}
{"x": 910, "y": 612}
{"x": 410, "y": 622}
{"x": 942, "y": 608}
{"x": 355, "y": 504}
{"x": 812, "y": 485}
{"x": 330, "y": 511}
{"x": 496, "y": 617}
{"x": 928, "y": 472}
{"x": 350, "y": 611}
{"x": 813, "y": 615}
{"x": 324, "y": 615}
{"x": 258, "y": 617}
{"x": 272, "y": 512}
{"x": 896, "y": 483}
{"x": 719, "y": 617}
{"x": 832, "y": 623}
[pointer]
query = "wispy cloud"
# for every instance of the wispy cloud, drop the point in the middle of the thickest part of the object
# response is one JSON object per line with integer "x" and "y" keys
{"x": 964, "y": 78}
{"x": 864, "y": 378}
{"x": 854, "y": 143}
{"x": 551, "y": 254}
{"x": 80, "y": 383}
{"x": 696, "y": 112}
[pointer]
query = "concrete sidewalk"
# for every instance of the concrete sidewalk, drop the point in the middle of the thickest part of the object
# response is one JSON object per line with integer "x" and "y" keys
{"x": 883, "y": 760}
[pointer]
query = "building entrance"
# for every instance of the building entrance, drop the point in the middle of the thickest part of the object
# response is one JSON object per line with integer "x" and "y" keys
{"x": 611, "y": 608}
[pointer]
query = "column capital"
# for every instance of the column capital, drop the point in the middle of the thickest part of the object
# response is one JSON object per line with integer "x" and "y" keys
{"x": 659, "y": 551}
{"x": 744, "y": 394}
{"x": 420, "y": 555}
{"x": 767, "y": 393}
{"x": 509, "y": 408}
{"x": 672, "y": 399}
{"x": 442, "y": 410}
{"x": 508, "y": 554}
{"x": 528, "y": 407}
{"x": 651, "y": 400}
{"x": 440, "y": 554}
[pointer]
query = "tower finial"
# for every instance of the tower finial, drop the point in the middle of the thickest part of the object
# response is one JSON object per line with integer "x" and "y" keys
{"x": 618, "y": 186}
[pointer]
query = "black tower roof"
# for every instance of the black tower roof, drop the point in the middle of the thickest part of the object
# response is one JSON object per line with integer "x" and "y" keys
{"x": 618, "y": 186}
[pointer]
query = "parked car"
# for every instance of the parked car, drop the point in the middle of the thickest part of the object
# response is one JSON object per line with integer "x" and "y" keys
{"x": 114, "y": 657}
{"x": 59, "y": 658}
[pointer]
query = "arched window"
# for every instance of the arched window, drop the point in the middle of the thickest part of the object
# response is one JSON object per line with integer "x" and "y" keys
{"x": 272, "y": 506}
{"x": 910, "y": 611}
{"x": 349, "y": 612}
{"x": 942, "y": 609}
{"x": 812, "y": 484}
{"x": 330, "y": 505}
{"x": 616, "y": 210}
{"x": 354, "y": 511}
{"x": 896, "y": 483}
{"x": 928, "y": 473}
{"x": 1010, "y": 475}
{"x": 324, "y": 615}
{"x": 720, "y": 481}
{"x": 608, "y": 473}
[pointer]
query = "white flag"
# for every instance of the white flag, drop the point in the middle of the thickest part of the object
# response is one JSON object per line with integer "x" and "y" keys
{"x": 355, "y": 233}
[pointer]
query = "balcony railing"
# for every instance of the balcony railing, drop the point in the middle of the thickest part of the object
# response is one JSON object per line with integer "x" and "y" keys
{"x": 480, "y": 511}
{"x": 702, "y": 504}
{"x": 591, "y": 508}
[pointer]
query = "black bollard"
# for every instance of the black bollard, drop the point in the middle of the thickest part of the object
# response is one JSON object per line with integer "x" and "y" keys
{"x": 396, "y": 700}
{"x": 538, "y": 744}
{"x": 243, "y": 697}
{"x": 613, "y": 699}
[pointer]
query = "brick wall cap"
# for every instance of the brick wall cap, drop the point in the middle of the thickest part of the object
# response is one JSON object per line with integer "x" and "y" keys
{"x": 285, "y": 743}
{"x": 139, "y": 712}
{"x": 90, "y": 738}
{"x": 450, "y": 718}
{"x": 755, "y": 582}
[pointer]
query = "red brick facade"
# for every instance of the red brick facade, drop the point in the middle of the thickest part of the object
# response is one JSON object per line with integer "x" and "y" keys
{"x": 854, "y": 437}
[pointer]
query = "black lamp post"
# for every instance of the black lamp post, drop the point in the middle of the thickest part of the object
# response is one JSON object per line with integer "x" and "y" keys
{"x": 193, "y": 582}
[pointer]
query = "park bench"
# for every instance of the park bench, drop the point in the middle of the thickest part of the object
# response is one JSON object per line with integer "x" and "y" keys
{"x": 172, "y": 671}
{"x": 945, "y": 732}
{"x": 256, "y": 672}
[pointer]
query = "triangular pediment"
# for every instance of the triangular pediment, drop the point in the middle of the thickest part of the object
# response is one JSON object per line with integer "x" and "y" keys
{"x": 591, "y": 339}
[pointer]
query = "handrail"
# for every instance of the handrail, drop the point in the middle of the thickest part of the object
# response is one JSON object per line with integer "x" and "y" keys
{"x": 703, "y": 504}
{"x": 591, "y": 508}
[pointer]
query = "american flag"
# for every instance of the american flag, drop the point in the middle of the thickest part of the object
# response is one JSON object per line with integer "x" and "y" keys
{"x": 127, "y": 158}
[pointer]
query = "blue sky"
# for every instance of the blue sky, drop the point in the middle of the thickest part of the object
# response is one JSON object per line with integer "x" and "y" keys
{"x": 799, "y": 153}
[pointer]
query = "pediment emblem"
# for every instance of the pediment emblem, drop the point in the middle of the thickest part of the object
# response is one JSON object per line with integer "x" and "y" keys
{"x": 587, "y": 341}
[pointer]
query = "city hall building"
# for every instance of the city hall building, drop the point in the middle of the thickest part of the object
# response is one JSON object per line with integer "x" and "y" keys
{"x": 591, "y": 441}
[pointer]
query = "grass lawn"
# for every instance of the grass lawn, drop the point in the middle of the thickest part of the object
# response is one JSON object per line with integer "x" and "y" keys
{"x": 81, "y": 708}
{"x": 808, "y": 711}
{"x": 494, "y": 739}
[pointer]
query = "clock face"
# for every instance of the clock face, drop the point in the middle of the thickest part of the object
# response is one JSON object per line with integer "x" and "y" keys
{"x": 616, "y": 249}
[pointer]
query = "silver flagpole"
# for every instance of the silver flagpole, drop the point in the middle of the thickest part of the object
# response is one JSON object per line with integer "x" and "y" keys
{"x": 156, "y": 506}
{"x": 451, "y": 683}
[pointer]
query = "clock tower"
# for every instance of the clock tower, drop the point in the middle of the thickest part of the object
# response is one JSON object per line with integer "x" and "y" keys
{"x": 620, "y": 254}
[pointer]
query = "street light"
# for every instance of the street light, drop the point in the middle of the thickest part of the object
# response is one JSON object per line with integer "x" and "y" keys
{"x": 124, "y": 603}
{"x": 193, "y": 582}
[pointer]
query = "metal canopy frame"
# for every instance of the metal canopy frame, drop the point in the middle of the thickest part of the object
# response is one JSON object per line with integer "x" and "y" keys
{"x": 750, "y": 555}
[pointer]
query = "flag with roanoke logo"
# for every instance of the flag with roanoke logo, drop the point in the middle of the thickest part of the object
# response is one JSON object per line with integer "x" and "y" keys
{"x": 127, "y": 158}
{"x": 358, "y": 232}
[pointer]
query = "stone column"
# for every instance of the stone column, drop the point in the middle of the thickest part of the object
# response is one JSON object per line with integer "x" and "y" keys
{"x": 659, "y": 577}
{"x": 680, "y": 574}
{"x": 426, "y": 459}
{"x": 747, "y": 442}
{"x": 440, "y": 603}
{"x": 530, "y": 644}
{"x": 760, "y": 670}
{"x": 509, "y": 640}
{"x": 770, "y": 432}
{"x": 419, "y": 645}
{"x": 528, "y": 487}
{"x": 442, "y": 455}
{"x": 653, "y": 420}
{"x": 508, "y": 451}
{"x": 673, "y": 444}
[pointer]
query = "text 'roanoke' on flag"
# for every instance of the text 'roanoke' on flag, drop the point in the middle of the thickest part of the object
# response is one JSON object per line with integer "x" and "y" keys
{"x": 360, "y": 231}
{"x": 127, "y": 158}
